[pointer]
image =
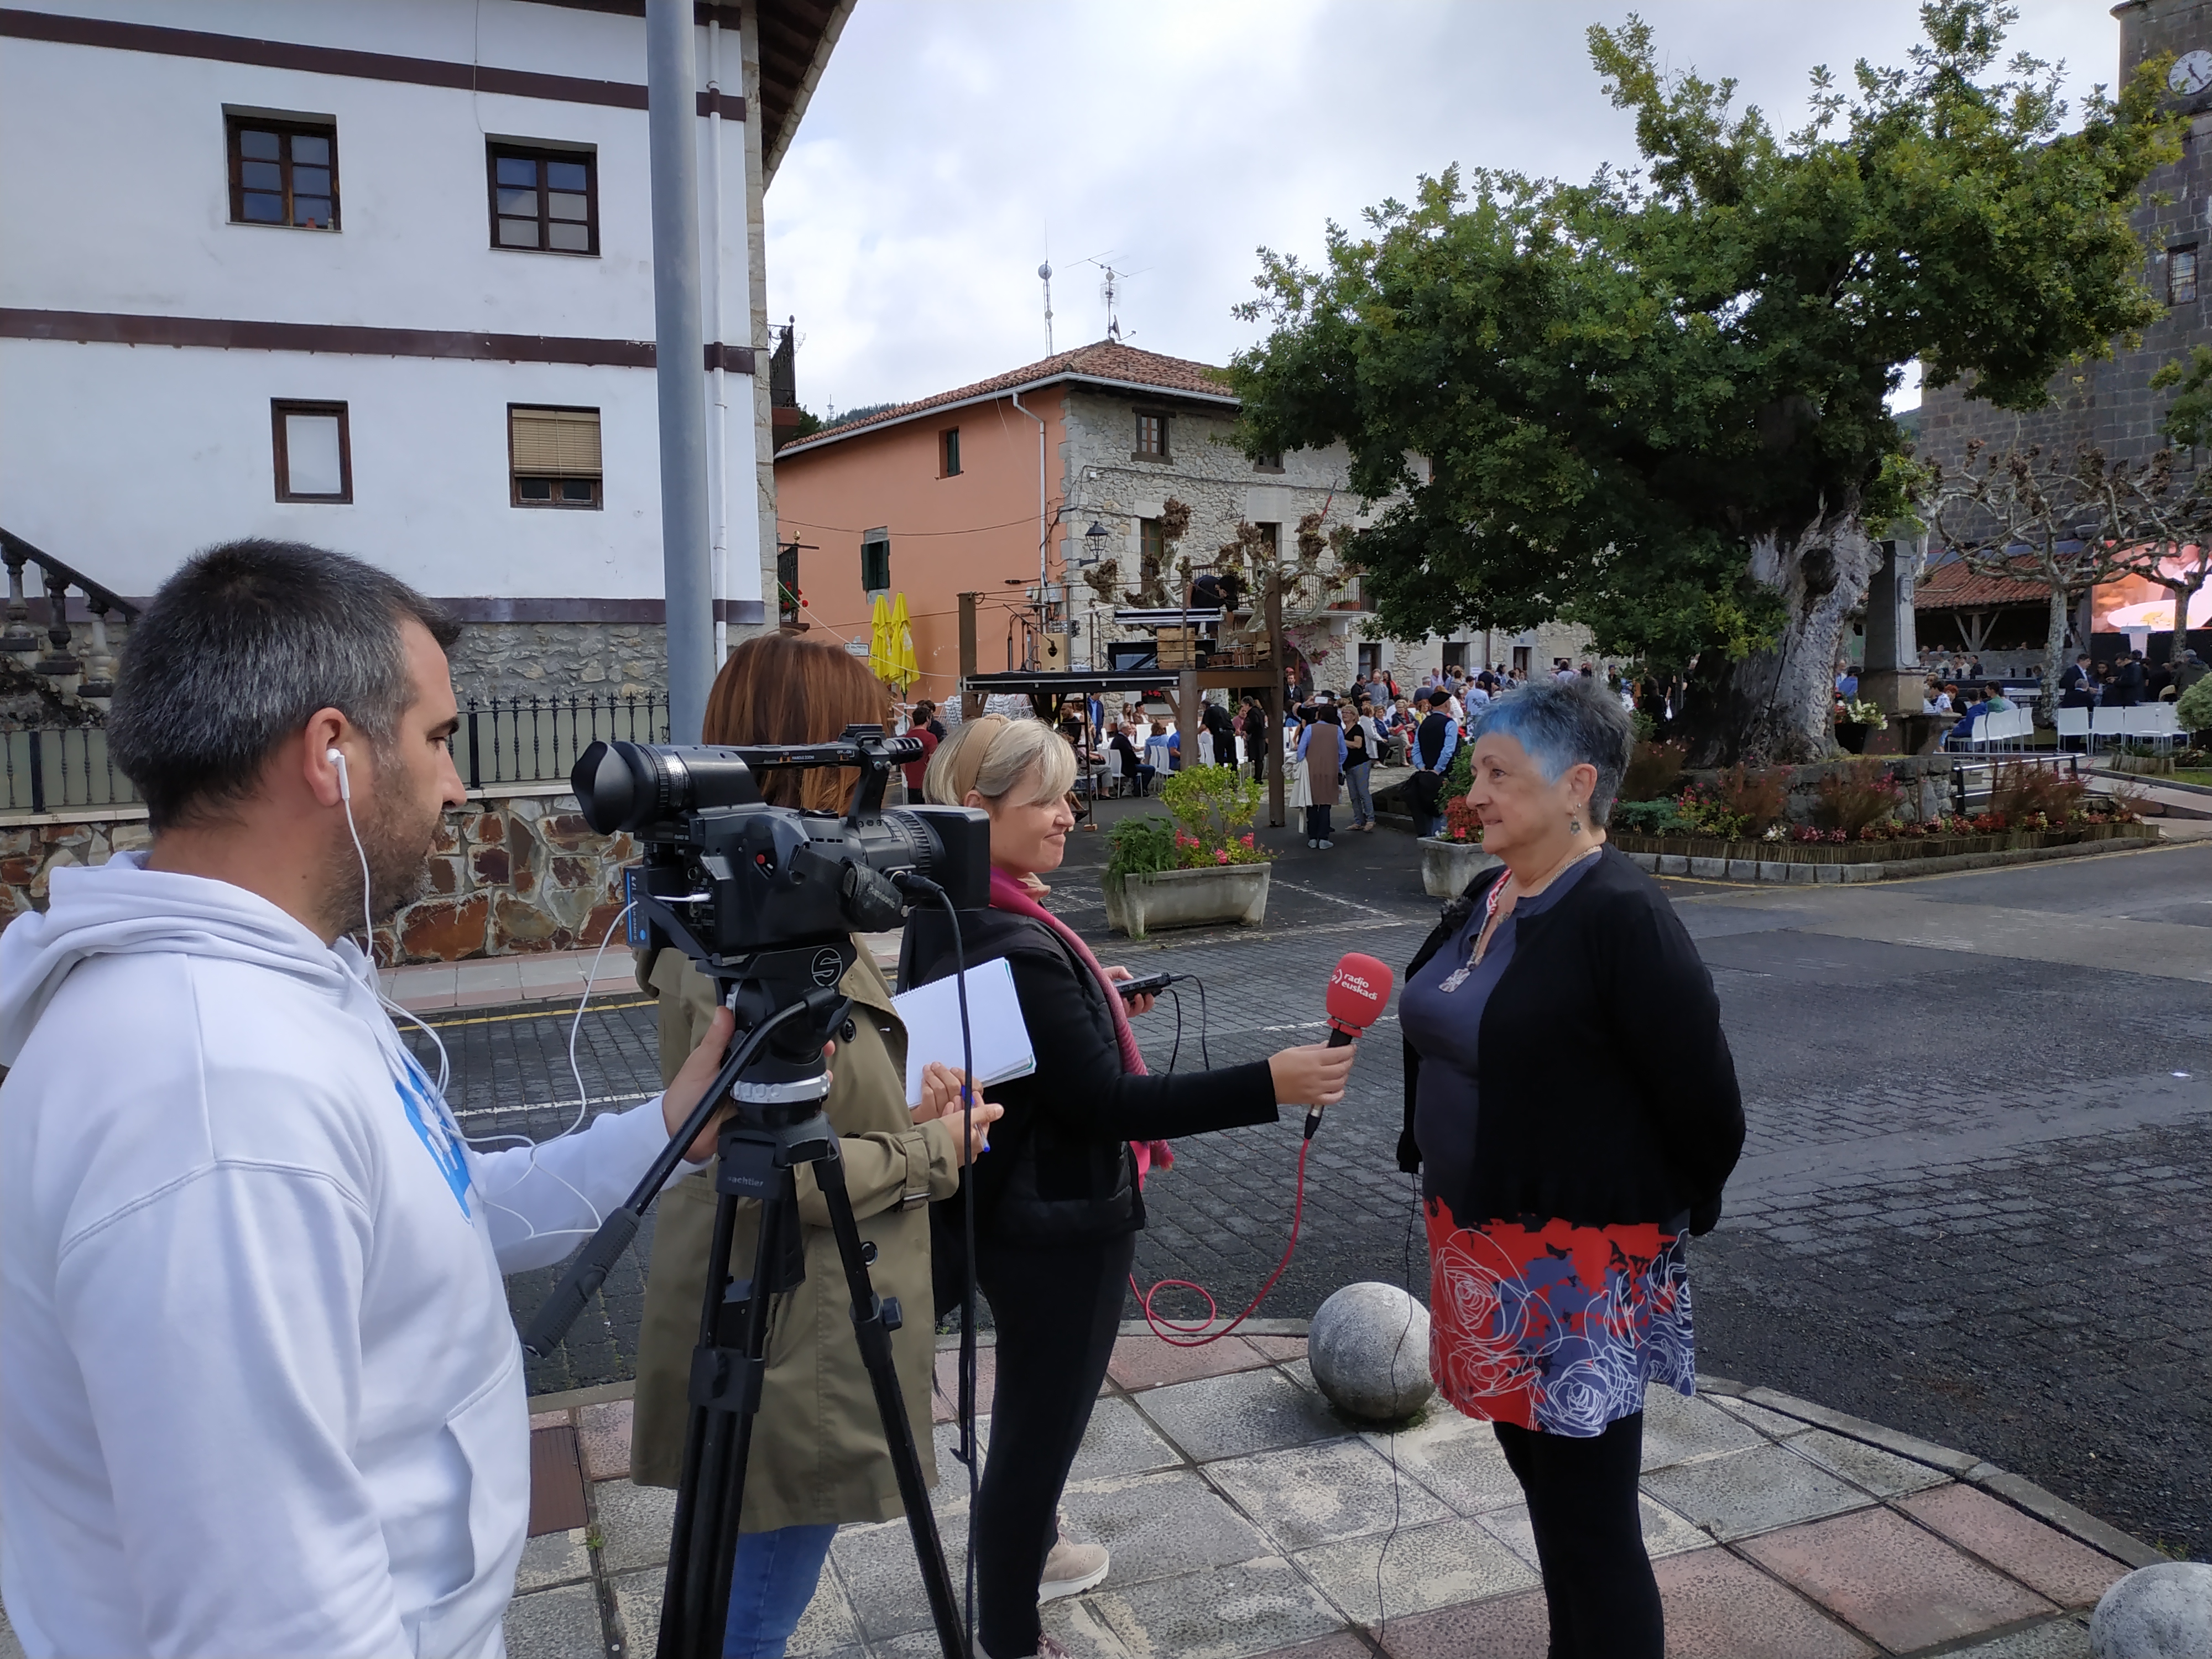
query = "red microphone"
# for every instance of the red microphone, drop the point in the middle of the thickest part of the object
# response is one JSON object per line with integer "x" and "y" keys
{"x": 1358, "y": 991}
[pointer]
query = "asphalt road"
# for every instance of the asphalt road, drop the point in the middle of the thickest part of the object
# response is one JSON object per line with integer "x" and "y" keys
{"x": 1972, "y": 1204}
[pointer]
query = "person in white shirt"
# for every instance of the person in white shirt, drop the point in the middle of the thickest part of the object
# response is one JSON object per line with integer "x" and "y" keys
{"x": 261, "y": 1395}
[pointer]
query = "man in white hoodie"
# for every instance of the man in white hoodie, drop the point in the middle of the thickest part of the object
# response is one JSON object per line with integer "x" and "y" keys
{"x": 259, "y": 1391}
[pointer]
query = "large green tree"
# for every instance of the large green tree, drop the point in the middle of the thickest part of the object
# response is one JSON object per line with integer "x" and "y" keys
{"x": 1654, "y": 403}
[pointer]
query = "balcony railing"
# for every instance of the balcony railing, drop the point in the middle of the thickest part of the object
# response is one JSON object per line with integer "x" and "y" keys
{"x": 94, "y": 673}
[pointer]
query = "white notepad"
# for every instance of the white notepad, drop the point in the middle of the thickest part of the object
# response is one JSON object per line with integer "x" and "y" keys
{"x": 931, "y": 1014}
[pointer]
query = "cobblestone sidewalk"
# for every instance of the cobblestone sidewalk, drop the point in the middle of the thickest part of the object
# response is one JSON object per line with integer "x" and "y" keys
{"x": 1245, "y": 1518}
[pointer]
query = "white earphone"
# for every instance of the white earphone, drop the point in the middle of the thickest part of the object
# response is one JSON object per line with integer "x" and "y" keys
{"x": 337, "y": 757}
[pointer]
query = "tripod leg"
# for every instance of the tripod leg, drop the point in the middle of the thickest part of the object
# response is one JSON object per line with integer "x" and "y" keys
{"x": 875, "y": 1340}
{"x": 703, "y": 1437}
{"x": 695, "y": 1599}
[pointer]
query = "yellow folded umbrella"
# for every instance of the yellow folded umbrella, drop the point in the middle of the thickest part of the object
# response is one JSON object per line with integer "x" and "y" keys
{"x": 879, "y": 640}
{"x": 905, "y": 670}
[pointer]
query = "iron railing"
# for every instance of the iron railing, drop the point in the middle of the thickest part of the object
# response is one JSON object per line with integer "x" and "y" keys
{"x": 46, "y": 767}
{"x": 537, "y": 740}
{"x": 56, "y": 769}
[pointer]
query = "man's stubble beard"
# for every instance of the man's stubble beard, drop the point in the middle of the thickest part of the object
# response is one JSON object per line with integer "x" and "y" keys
{"x": 397, "y": 842}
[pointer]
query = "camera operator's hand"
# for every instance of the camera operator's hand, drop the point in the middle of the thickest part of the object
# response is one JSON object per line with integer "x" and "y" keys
{"x": 1142, "y": 1005}
{"x": 681, "y": 1095}
{"x": 940, "y": 1102}
{"x": 1313, "y": 1074}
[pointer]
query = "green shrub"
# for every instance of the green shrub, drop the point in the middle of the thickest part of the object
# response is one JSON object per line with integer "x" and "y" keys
{"x": 1142, "y": 846}
{"x": 1646, "y": 817}
{"x": 2194, "y": 706}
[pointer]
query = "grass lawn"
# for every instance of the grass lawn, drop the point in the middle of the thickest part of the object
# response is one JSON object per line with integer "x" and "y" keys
{"x": 2194, "y": 774}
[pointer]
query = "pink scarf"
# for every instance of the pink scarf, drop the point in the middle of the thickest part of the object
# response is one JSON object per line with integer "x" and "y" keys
{"x": 1007, "y": 894}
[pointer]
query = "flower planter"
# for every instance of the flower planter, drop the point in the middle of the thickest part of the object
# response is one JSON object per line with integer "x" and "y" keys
{"x": 1446, "y": 866}
{"x": 1852, "y": 736}
{"x": 1186, "y": 898}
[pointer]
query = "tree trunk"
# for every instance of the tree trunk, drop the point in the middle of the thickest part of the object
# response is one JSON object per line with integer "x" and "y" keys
{"x": 1774, "y": 706}
{"x": 2182, "y": 595}
{"x": 2054, "y": 649}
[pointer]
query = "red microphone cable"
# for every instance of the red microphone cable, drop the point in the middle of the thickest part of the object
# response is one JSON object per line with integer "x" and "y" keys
{"x": 1361, "y": 985}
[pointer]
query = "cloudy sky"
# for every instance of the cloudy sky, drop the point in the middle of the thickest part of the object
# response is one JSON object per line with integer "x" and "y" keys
{"x": 952, "y": 144}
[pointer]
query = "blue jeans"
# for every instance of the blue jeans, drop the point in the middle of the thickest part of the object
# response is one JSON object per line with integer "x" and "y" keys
{"x": 769, "y": 1588}
{"x": 1363, "y": 804}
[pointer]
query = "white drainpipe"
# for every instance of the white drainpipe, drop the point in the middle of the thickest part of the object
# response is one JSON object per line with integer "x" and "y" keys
{"x": 719, "y": 417}
{"x": 1044, "y": 591}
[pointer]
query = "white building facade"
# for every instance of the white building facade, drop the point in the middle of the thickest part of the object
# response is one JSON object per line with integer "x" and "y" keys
{"x": 379, "y": 277}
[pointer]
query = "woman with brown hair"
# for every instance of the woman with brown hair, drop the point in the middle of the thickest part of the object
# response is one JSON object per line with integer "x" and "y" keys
{"x": 818, "y": 1456}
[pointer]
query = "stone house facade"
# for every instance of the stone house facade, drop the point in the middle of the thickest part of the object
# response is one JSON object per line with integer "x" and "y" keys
{"x": 1018, "y": 491}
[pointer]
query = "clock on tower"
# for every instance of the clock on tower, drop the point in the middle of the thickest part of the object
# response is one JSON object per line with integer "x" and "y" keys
{"x": 2191, "y": 73}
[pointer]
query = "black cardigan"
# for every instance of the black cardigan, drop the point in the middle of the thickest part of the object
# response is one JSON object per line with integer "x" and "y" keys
{"x": 1059, "y": 1170}
{"x": 1608, "y": 1094}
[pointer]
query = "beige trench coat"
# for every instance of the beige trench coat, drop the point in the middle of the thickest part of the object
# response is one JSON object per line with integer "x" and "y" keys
{"x": 817, "y": 1449}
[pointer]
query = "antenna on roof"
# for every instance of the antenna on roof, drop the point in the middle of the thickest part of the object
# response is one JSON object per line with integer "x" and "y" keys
{"x": 1110, "y": 290}
{"x": 1044, "y": 274}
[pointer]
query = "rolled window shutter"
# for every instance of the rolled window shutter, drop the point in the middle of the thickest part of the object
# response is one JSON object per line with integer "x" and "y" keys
{"x": 556, "y": 443}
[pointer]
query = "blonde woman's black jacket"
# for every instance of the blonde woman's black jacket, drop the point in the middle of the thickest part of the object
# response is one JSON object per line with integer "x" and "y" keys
{"x": 1059, "y": 1170}
{"x": 1608, "y": 1094}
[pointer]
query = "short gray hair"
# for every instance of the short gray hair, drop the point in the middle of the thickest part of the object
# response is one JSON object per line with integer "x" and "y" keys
{"x": 1564, "y": 723}
{"x": 238, "y": 649}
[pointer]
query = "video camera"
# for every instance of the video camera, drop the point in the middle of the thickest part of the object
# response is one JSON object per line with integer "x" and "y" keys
{"x": 773, "y": 894}
{"x": 765, "y": 900}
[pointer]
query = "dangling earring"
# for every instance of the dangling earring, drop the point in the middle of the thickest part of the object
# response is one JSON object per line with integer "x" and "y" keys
{"x": 1574, "y": 824}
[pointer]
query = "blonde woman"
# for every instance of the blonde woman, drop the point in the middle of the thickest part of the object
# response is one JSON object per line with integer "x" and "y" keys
{"x": 1059, "y": 1198}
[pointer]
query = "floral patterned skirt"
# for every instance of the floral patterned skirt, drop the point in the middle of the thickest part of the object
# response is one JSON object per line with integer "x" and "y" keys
{"x": 1556, "y": 1328}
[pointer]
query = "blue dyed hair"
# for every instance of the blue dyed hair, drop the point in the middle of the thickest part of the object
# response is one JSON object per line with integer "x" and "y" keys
{"x": 1563, "y": 724}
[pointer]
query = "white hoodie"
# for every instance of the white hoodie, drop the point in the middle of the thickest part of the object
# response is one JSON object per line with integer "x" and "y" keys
{"x": 259, "y": 1390}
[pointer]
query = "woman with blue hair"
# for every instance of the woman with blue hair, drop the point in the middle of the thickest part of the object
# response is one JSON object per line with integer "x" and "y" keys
{"x": 1572, "y": 1111}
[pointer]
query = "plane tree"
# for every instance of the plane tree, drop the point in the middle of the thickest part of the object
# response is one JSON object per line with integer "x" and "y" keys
{"x": 1654, "y": 403}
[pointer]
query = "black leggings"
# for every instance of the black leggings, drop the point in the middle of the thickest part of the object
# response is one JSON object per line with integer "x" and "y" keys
{"x": 1057, "y": 1312}
{"x": 1317, "y": 824}
{"x": 1604, "y": 1602}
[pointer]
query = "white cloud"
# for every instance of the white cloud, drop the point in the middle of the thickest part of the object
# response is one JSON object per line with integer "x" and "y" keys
{"x": 1177, "y": 136}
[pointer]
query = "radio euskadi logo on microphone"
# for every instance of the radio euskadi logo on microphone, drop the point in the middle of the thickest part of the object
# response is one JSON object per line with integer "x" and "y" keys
{"x": 1356, "y": 983}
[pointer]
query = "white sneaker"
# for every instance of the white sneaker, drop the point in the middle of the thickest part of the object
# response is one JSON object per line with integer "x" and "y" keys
{"x": 1324, "y": 843}
{"x": 1071, "y": 1569}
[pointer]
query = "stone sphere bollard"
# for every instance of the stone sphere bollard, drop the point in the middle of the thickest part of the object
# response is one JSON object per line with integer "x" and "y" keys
{"x": 1369, "y": 1347}
{"x": 2163, "y": 1612}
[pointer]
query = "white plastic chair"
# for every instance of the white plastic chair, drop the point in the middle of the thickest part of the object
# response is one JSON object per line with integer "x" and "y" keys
{"x": 2105, "y": 723}
{"x": 2073, "y": 723}
{"x": 1205, "y": 748}
{"x": 1115, "y": 776}
{"x": 1159, "y": 757}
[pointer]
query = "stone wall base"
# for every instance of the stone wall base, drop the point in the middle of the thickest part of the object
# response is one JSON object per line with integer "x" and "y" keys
{"x": 524, "y": 873}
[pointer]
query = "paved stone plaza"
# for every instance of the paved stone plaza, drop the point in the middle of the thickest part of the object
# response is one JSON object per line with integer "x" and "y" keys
{"x": 1246, "y": 1518}
{"x": 1972, "y": 1203}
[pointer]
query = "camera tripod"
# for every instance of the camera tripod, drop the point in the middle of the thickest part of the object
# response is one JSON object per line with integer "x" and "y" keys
{"x": 776, "y": 1075}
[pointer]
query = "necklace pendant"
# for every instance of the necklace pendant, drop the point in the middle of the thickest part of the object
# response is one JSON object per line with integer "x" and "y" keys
{"x": 1456, "y": 978}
